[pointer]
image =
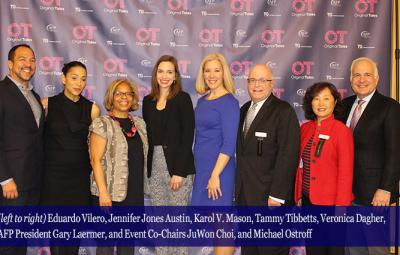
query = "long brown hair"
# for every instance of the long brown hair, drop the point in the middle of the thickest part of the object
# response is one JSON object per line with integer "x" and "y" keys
{"x": 176, "y": 86}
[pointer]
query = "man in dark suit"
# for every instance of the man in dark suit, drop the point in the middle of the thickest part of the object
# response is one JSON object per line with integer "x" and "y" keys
{"x": 21, "y": 128}
{"x": 267, "y": 150}
{"x": 375, "y": 120}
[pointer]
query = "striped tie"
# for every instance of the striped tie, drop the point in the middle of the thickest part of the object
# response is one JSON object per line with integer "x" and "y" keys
{"x": 357, "y": 114}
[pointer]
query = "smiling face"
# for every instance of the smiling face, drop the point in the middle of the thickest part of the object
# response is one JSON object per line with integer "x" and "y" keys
{"x": 323, "y": 104}
{"x": 260, "y": 83}
{"x": 213, "y": 75}
{"x": 122, "y": 99}
{"x": 23, "y": 66}
{"x": 165, "y": 74}
{"x": 364, "y": 78}
{"x": 74, "y": 82}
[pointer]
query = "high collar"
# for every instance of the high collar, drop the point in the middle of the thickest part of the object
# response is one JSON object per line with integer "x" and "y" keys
{"x": 326, "y": 122}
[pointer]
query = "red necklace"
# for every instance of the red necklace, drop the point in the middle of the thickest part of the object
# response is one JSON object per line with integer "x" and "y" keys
{"x": 130, "y": 133}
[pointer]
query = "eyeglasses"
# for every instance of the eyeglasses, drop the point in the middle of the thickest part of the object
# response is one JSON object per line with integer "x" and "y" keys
{"x": 126, "y": 94}
{"x": 253, "y": 81}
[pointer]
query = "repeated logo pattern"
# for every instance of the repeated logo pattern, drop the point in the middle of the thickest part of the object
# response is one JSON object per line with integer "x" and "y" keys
{"x": 302, "y": 41}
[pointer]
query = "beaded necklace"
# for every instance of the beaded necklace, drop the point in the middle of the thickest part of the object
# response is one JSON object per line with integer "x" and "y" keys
{"x": 130, "y": 133}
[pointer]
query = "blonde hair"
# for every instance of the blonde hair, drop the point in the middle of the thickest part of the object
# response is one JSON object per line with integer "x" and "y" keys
{"x": 201, "y": 86}
{"x": 373, "y": 63}
{"x": 109, "y": 97}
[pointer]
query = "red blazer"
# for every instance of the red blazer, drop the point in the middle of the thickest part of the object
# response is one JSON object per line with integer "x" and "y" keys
{"x": 331, "y": 174}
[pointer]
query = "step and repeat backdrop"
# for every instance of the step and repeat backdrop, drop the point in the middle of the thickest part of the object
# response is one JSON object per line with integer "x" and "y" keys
{"x": 303, "y": 41}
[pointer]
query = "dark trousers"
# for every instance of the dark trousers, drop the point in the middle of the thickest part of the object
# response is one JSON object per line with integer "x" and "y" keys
{"x": 120, "y": 250}
{"x": 321, "y": 250}
{"x": 263, "y": 250}
{"x": 24, "y": 198}
{"x": 107, "y": 250}
{"x": 56, "y": 250}
{"x": 366, "y": 250}
{"x": 260, "y": 250}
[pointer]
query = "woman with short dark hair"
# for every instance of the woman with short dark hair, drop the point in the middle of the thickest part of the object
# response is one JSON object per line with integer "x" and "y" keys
{"x": 67, "y": 166}
{"x": 325, "y": 174}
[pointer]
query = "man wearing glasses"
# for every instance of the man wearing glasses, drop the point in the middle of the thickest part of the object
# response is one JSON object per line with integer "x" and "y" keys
{"x": 267, "y": 150}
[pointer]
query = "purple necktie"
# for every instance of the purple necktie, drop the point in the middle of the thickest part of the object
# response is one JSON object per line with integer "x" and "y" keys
{"x": 356, "y": 114}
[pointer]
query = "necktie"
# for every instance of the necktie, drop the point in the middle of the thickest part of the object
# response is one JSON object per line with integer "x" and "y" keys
{"x": 251, "y": 114}
{"x": 356, "y": 114}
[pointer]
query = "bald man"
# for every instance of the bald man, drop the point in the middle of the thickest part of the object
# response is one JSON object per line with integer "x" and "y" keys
{"x": 267, "y": 150}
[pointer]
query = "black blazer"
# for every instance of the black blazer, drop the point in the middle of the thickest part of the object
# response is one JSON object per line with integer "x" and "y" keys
{"x": 178, "y": 137}
{"x": 21, "y": 140}
{"x": 267, "y": 166}
{"x": 376, "y": 148}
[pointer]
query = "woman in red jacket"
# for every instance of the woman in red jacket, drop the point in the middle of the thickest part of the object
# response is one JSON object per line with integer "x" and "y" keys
{"x": 325, "y": 174}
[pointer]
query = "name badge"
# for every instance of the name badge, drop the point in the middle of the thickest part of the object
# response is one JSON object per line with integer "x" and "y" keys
{"x": 325, "y": 137}
{"x": 261, "y": 134}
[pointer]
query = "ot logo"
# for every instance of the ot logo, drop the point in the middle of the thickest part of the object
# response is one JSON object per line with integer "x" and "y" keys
{"x": 240, "y": 67}
{"x": 362, "y": 6}
{"x": 51, "y": 2}
{"x": 272, "y": 36}
{"x": 50, "y": 63}
{"x": 332, "y": 37}
{"x": 176, "y": 5}
{"x": 302, "y": 5}
{"x": 183, "y": 65}
{"x": 147, "y": 34}
{"x": 301, "y": 67}
{"x": 115, "y": 65}
{"x": 19, "y": 29}
{"x": 241, "y": 5}
{"x": 84, "y": 32}
{"x": 210, "y": 35}
{"x": 112, "y": 4}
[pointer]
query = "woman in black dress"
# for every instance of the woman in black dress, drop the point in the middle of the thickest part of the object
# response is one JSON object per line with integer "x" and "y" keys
{"x": 67, "y": 165}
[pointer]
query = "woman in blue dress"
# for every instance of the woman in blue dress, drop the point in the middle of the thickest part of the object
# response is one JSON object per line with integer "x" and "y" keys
{"x": 216, "y": 119}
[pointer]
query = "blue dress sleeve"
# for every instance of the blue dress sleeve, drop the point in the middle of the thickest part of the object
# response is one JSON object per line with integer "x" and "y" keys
{"x": 230, "y": 114}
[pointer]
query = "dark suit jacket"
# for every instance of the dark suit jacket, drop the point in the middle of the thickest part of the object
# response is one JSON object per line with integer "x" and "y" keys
{"x": 272, "y": 172}
{"x": 178, "y": 136}
{"x": 376, "y": 148}
{"x": 21, "y": 143}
